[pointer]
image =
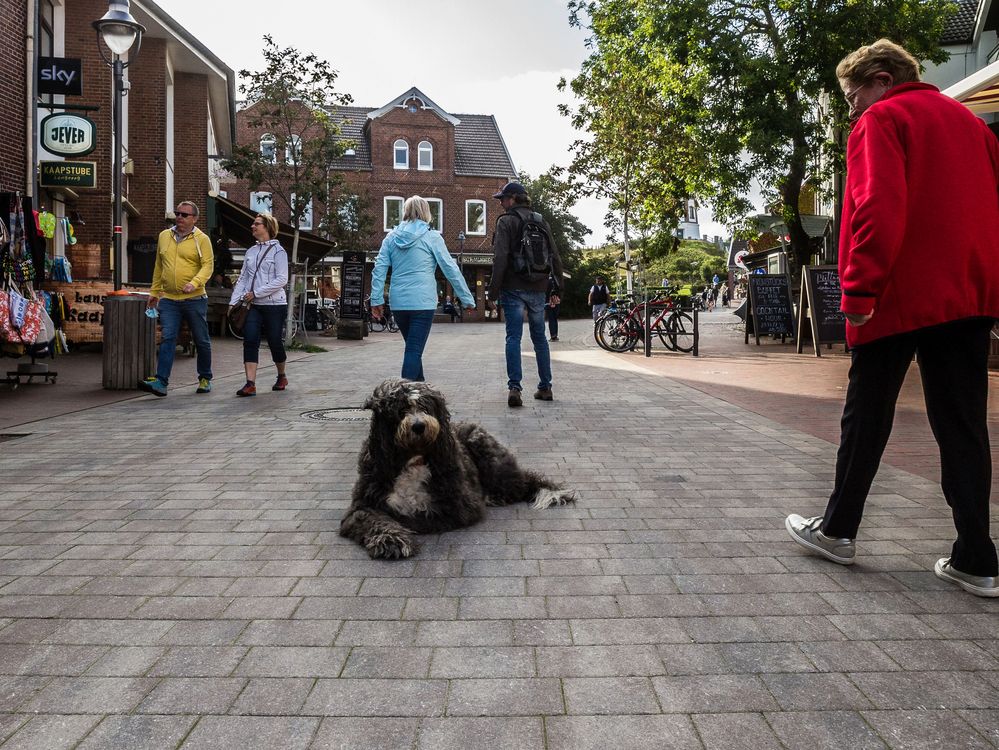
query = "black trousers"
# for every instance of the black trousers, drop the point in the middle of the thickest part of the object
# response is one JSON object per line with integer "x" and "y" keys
{"x": 953, "y": 365}
{"x": 551, "y": 311}
{"x": 267, "y": 320}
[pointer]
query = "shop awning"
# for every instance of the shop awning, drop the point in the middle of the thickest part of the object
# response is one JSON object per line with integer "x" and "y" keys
{"x": 234, "y": 221}
{"x": 979, "y": 92}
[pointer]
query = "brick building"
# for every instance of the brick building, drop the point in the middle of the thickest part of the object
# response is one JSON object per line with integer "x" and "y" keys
{"x": 411, "y": 146}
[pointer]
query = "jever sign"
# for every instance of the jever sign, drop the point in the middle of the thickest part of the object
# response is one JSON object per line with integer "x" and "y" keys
{"x": 64, "y": 134}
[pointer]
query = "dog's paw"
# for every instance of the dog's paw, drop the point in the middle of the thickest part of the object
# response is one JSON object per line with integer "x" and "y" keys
{"x": 546, "y": 498}
{"x": 390, "y": 546}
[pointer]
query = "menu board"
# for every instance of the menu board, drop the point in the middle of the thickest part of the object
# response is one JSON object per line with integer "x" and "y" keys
{"x": 352, "y": 286}
{"x": 771, "y": 312}
{"x": 820, "y": 297}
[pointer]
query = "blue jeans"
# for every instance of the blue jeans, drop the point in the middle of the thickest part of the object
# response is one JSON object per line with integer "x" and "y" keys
{"x": 268, "y": 319}
{"x": 195, "y": 312}
{"x": 415, "y": 328}
{"x": 515, "y": 302}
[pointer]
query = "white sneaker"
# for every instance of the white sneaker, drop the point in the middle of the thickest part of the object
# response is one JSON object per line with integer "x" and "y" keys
{"x": 978, "y": 585}
{"x": 805, "y": 531}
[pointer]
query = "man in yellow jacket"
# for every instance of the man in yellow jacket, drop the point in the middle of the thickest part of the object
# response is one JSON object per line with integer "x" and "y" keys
{"x": 184, "y": 263}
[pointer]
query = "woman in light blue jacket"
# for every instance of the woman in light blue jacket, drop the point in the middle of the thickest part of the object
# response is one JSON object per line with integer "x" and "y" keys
{"x": 413, "y": 251}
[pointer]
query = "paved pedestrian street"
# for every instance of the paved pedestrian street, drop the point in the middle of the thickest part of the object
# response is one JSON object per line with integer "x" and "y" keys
{"x": 171, "y": 576}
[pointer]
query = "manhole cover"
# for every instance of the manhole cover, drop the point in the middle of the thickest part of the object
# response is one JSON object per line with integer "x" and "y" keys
{"x": 338, "y": 415}
{"x": 9, "y": 437}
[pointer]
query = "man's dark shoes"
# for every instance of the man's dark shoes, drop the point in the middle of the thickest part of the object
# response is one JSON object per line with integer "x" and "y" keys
{"x": 544, "y": 394}
{"x": 514, "y": 398}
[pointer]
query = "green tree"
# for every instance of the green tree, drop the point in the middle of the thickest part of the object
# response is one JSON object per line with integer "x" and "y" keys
{"x": 745, "y": 79}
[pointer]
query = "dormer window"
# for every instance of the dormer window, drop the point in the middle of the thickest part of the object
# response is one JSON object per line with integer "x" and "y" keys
{"x": 268, "y": 148}
{"x": 400, "y": 150}
{"x": 425, "y": 156}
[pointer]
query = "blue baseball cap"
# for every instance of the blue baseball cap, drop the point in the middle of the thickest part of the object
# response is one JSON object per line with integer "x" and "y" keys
{"x": 511, "y": 188}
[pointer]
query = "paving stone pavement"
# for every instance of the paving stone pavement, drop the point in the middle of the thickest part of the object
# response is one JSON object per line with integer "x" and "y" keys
{"x": 171, "y": 576}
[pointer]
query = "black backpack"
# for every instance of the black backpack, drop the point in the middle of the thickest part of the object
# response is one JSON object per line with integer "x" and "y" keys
{"x": 531, "y": 251}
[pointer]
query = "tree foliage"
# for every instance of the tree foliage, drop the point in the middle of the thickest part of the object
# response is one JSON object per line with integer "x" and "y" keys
{"x": 738, "y": 85}
{"x": 290, "y": 99}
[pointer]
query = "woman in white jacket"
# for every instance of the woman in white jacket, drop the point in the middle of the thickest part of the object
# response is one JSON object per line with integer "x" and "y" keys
{"x": 261, "y": 283}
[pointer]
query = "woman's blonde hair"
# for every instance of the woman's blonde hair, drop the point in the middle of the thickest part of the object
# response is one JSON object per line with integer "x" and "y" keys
{"x": 416, "y": 208}
{"x": 884, "y": 56}
{"x": 270, "y": 224}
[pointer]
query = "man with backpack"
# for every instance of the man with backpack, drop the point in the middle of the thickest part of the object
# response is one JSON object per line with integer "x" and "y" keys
{"x": 524, "y": 260}
{"x": 599, "y": 297}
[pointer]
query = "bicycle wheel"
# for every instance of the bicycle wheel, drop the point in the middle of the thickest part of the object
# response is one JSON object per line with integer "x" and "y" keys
{"x": 617, "y": 333}
{"x": 232, "y": 331}
{"x": 681, "y": 331}
{"x": 392, "y": 325}
{"x": 661, "y": 328}
{"x": 377, "y": 325}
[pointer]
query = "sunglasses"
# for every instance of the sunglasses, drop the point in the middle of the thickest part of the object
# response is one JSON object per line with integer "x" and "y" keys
{"x": 183, "y": 214}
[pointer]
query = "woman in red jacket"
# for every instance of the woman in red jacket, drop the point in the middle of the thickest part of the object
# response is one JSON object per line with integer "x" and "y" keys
{"x": 918, "y": 259}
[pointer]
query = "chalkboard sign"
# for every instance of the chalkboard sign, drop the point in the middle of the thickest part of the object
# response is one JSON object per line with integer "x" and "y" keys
{"x": 820, "y": 300}
{"x": 352, "y": 286}
{"x": 771, "y": 312}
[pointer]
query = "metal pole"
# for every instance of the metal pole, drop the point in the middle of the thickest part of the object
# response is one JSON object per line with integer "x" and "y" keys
{"x": 697, "y": 333}
{"x": 648, "y": 323}
{"x": 119, "y": 88}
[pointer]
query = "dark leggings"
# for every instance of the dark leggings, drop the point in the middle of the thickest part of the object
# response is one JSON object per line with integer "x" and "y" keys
{"x": 269, "y": 320}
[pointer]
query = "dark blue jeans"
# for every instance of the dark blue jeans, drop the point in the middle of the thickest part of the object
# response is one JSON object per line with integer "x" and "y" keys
{"x": 415, "y": 328}
{"x": 195, "y": 312}
{"x": 268, "y": 319}
{"x": 518, "y": 304}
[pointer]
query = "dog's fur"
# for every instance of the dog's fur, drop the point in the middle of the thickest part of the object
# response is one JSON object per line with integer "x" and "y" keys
{"x": 419, "y": 473}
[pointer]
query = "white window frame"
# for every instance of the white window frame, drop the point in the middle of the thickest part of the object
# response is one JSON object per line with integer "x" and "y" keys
{"x": 293, "y": 150}
{"x": 306, "y": 222}
{"x": 272, "y": 142}
{"x": 262, "y": 202}
{"x": 425, "y": 147}
{"x": 395, "y": 153}
{"x": 440, "y": 213}
{"x": 468, "y": 230}
{"x": 385, "y": 214}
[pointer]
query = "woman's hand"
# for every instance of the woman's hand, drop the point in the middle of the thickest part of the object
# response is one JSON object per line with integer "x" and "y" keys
{"x": 248, "y": 297}
{"x": 376, "y": 311}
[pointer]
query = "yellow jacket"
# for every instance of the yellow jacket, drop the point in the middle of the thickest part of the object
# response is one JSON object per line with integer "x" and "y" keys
{"x": 177, "y": 263}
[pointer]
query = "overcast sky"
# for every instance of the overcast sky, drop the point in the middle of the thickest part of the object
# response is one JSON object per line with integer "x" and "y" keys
{"x": 469, "y": 56}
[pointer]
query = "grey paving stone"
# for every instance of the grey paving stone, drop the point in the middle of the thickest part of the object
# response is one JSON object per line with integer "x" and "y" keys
{"x": 723, "y": 693}
{"x": 609, "y": 695}
{"x": 192, "y": 695}
{"x": 352, "y": 733}
{"x": 290, "y": 633}
{"x": 138, "y": 733}
{"x": 735, "y": 732}
{"x": 907, "y": 690}
{"x": 514, "y": 733}
{"x": 292, "y": 661}
{"x": 849, "y": 656}
{"x": 630, "y": 631}
{"x": 986, "y": 722}
{"x": 924, "y": 729}
{"x": 198, "y": 661}
{"x": 376, "y": 633}
{"x": 203, "y": 633}
{"x": 620, "y": 732}
{"x": 273, "y": 696}
{"x": 244, "y": 732}
{"x": 815, "y": 692}
{"x": 52, "y": 732}
{"x": 808, "y": 730}
{"x": 374, "y": 698}
{"x": 93, "y": 695}
{"x": 46, "y": 659}
{"x": 507, "y": 697}
{"x": 939, "y": 655}
{"x": 367, "y": 661}
{"x": 599, "y": 661}
{"x": 482, "y": 662}
{"x": 464, "y": 633}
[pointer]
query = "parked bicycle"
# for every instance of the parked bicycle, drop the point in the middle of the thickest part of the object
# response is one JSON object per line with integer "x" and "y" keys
{"x": 622, "y": 327}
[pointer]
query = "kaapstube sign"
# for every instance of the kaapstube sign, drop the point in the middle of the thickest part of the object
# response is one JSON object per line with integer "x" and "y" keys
{"x": 65, "y": 134}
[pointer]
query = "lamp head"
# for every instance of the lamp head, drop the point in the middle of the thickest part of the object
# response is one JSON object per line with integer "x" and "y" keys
{"x": 118, "y": 28}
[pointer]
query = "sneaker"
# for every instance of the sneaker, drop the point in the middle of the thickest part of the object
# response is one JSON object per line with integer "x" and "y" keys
{"x": 514, "y": 398}
{"x": 553, "y": 338}
{"x": 204, "y": 385}
{"x": 805, "y": 531}
{"x": 154, "y": 386}
{"x": 280, "y": 384}
{"x": 977, "y": 585}
{"x": 544, "y": 394}
{"x": 250, "y": 389}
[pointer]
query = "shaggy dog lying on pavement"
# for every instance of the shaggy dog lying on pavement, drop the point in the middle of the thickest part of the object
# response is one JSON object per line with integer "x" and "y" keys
{"x": 422, "y": 474}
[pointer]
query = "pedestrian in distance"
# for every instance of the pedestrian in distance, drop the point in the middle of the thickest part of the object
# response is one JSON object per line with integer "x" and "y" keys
{"x": 599, "y": 297}
{"x": 525, "y": 260}
{"x": 917, "y": 267}
{"x": 414, "y": 251}
{"x": 184, "y": 264}
{"x": 552, "y": 304}
{"x": 262, "y": 283}
{"x": 449, "y": 308}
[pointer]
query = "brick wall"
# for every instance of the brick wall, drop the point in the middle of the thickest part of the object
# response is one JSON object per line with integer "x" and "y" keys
{"x": 191, "y": 140}
{"x": 13, "y": 94}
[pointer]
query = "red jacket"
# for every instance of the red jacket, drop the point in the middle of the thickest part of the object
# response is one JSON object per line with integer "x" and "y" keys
{"x": 919, "y": 240}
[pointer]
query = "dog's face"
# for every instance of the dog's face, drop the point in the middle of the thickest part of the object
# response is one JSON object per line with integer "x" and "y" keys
{"x": 408, "y": 414}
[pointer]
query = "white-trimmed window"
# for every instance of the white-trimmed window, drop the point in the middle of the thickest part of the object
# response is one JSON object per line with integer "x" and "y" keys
{"x": 293, "y": 150}
{"x": 393, "y": 211}
{"x": 305, "y": 223}
{"x": 475, "y": 218}
{"x": 425, "y": 156}
{"x": 436, "y": 214}
{"x": 261, "y": 203}
{"x": 268, "y": 148}
{"x": 400, "y": 154}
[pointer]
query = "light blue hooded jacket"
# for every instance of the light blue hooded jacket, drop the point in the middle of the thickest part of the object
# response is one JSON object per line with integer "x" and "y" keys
{"x": 413, "y": 251}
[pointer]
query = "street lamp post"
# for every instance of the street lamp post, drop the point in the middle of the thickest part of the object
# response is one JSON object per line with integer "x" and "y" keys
{"x": 119, "y": 31}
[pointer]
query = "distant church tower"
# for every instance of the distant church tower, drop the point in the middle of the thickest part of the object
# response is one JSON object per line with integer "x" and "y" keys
{"x": 688, "y": 228}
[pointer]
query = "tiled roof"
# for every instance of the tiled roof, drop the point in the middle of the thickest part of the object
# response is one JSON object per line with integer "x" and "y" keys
{"x": 480, "y": 150}
{"x": 814, "y": 226}
{"x": 960, "y": 28}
